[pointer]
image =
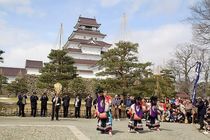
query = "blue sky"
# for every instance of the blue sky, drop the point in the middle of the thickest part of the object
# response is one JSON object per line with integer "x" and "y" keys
{"x": 29, "y": 28}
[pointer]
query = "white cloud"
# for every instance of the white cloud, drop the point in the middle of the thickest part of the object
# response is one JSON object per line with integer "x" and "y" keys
{"x": 109, "y": 3}
{"x": 155, "y": 7}
{"x": 17, "y": 56}
{"x": 192, "y": 2}
{"x": 20, "y": 44}
{"x": 158, "y": 45}
{"x": 25, "y": 10}
{"x": 2, "y": 14}
{"x": 14, "y": 2}
{"x": 23, "y": 7}
{"x": 152, "y": 7}
{"x": 134, "y": 6}
{"x": 2, "y": 25}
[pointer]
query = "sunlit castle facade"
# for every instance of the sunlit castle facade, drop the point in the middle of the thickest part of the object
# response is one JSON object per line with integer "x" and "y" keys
{"x": 86, "y": 45}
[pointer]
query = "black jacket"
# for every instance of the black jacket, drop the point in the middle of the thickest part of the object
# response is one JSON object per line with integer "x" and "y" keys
{"x": 88, "y": 101}
{"x": 44, "y": 100}
{"x": 79, "y": 102}
{"x": 58, "y": 102}
{"x": 66, "y": 100}
{"x": 33, "y": 100}
{"x": 201, "y": 108}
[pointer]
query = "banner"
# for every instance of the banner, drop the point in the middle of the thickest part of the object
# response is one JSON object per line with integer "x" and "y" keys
{"x": 197, "y": 76}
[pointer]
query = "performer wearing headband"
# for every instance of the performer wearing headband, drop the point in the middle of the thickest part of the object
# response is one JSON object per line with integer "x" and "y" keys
{"x": 153, "y": 115}
{"x": 136, "y": 112}
{"x": 103, "y": 113}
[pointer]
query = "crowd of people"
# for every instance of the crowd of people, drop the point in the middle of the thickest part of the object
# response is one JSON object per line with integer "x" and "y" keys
{"x": 135, "y": 108}
{"x": 57, "y": 103}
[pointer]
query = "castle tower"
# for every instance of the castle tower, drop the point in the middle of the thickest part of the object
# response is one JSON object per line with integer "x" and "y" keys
{"x": 86, "y": 45}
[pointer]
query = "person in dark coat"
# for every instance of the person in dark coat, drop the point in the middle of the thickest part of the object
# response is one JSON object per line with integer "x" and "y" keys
{"x": 43, "y": 100}
{"x": 88, "y": 104}
{"x": 201, "y": 112}
{"x": 24, "y": 97}
{"x": 56, "y": 103}
{"x": 33, "y": 100}
{"x": 95, "y": 102}
{"x": 77, "y": 105}
{"x": 20, "y": 105}
{"x": 66, "y": 100}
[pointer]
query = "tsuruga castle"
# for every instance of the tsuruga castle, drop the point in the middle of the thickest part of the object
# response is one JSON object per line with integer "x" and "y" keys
{"x": 86, "y": 45}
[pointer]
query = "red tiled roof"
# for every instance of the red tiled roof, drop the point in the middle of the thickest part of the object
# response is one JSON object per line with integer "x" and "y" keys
{"x": 91, "y": 42}
{"x": 34, "y": 64}
{"x": 74, "y": 50}
{"x": 87, "y": 21}
{"x": 89, "y": 32}
{"x": 83, "y": 61}
{"x": 8, "y": 71}
{"x": 87, "y": 71}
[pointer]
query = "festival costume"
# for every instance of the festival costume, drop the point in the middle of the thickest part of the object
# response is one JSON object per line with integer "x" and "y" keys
{"x": 136, "y": 114}
{"x": 104, "y": 114}
{"x": 153, "y": 115}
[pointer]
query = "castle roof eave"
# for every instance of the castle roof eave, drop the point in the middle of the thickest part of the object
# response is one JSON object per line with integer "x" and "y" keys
{"x": 87, "y": 42}
{"x": 12, "y": 71}
{"x": 87, "y": 22}
{"x": 92, "y": 25}
{"x": 85, "y": 62}
{"x": 88, "y": 33}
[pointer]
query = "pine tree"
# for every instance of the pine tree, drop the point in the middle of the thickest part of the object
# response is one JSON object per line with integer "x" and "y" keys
{"x": 59, "y": 69}
{"x": 18, "y": 86}
{"x": 121, "y": 63}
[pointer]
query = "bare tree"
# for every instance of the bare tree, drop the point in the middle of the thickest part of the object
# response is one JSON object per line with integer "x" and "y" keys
{"x": 182, "y": 66}
{"x": 202, "y": 55}
{"x": 200, "y": 19}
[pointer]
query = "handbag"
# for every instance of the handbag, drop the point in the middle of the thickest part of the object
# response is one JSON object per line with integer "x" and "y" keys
{"x": 102, "y": 115}
{"x": 136, "y": 117}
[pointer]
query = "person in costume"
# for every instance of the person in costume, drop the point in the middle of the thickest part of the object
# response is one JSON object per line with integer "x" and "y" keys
{"x": 153, "y": 115}
{"x": 103, "y": 113}
{"x": 136, "y": 112}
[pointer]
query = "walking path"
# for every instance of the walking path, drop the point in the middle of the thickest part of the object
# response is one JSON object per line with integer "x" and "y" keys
{"x": 17, "y": 128}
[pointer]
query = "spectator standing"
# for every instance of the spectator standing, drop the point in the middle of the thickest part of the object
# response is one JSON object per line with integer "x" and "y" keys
{"x": 201, "y": 112}
{"x": 56, "y": 103}
{"x": 115, "y": 104}
{"x": 20, "y": 104}
{"x": 24, "y": 97}
{"x": 77, "y": 105}
{"x": 66, "y": 100}
{"x": 43, "y": 100}
{"x": 33, "y": 100}
{"x": 88, "y": 104}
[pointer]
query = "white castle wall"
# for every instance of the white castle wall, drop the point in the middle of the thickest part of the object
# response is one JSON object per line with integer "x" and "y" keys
{"x": 76, "y": 55}
{"x": 34, "y": 71}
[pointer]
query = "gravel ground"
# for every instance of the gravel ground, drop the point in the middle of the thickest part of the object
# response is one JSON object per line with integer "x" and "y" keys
{"x": 56, "y": 130}
{"x": 35, "y": 133}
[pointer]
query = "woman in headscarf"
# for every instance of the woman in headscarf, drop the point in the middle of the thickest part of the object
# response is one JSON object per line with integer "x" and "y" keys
{"x": 103, "y": 113}
{"x": 136, "y": 112}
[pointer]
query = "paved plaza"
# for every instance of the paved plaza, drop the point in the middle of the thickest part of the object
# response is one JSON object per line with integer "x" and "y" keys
{"x": 17, "y": 128}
